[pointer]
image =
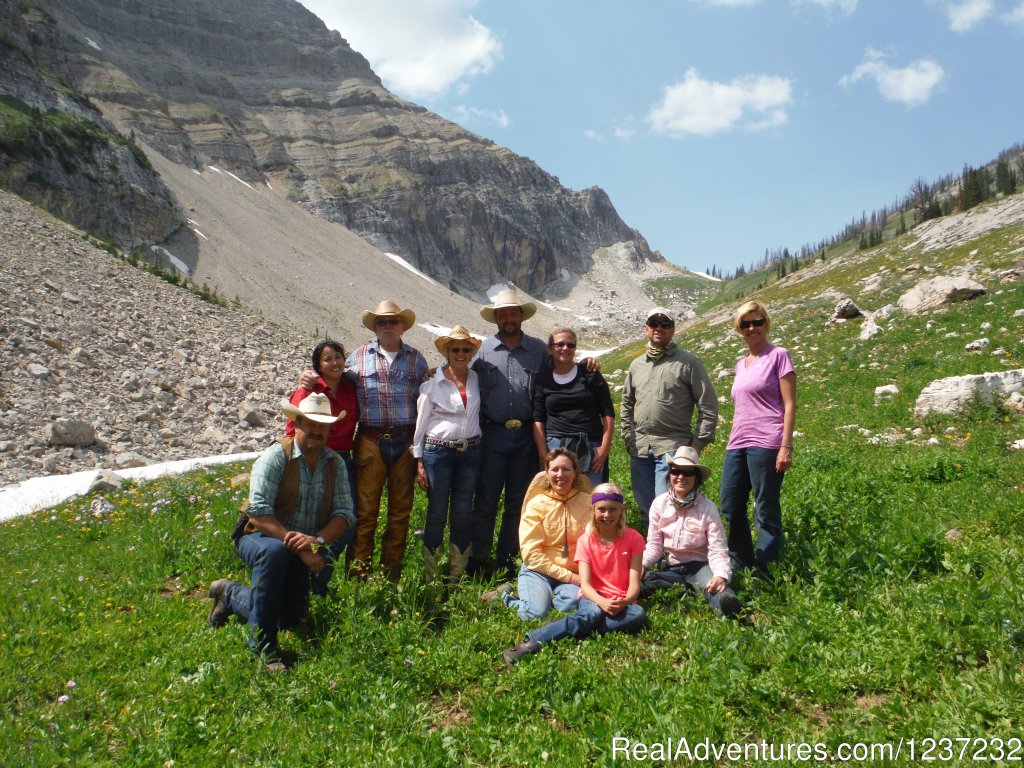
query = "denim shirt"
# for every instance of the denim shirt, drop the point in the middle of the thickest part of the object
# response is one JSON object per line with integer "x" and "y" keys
{"x": 507, "y": 376}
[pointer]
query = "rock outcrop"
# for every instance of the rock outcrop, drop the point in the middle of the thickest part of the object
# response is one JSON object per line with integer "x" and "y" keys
{"x": 936, "y": 291}
{"x": 951, "y": 394}
{"x": 57, "y": 150}
{"x": 262, "y": 89}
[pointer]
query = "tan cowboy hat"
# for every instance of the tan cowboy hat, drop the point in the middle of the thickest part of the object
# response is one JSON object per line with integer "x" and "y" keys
{"x": 315, "y": 407}
{"x": 685, "y": 456}
{"x": 508, "y": 298}
{"x": 458, "y": 333}
{"x": 388, "y": 308}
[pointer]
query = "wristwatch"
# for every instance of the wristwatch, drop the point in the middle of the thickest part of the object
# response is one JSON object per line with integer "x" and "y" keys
{"x": 320, "y": 541}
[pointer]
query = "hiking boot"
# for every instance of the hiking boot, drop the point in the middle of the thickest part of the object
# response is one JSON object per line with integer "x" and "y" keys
{"x": 730, "y": 605}
{"x": 458, "y": 560}
{"x": 221, "y": 610}
{"x": 513, "y": 655}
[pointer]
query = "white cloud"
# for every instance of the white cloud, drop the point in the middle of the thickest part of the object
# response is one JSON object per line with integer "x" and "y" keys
{"x": 846, "y": 6}
{"x": 464, "y": 115}
{"x": 593, "y": 135}
{"x": 703, "y": 107}
{"x": 964, "y": 15}
{"x": 912, "y": 85}
{"x": 420, "y": 49}
{"x": 624, "y": 132}
{"x": 1016, "y": 16}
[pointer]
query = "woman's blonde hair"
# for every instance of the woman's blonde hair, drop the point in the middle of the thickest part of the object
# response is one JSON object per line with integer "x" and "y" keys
{"x": 752, "y": 306}
{"x": 609, "y": 488}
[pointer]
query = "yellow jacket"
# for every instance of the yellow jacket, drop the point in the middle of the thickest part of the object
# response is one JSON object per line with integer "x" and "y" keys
{"x": 549, "y": 527}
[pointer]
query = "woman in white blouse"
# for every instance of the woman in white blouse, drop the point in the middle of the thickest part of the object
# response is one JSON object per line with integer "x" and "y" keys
{"x": 447, "y": 450}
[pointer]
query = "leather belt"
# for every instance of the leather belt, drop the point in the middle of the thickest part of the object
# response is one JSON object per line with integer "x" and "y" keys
{"x": 383, "y": 433}
{"x": 508, "y": 424}
{"x": 458, "y": 445}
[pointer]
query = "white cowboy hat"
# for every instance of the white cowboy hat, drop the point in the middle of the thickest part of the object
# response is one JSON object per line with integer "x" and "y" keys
{"x": 508, "y": 298}
{"x": 387, "y": 308}
{"x": 685, "y": 456}
{"x": 315, "y": 407}
{"x": 458, "y": 333}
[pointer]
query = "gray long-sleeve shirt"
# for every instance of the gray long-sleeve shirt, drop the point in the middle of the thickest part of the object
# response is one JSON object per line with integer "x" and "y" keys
{"x": 658, "y": 400}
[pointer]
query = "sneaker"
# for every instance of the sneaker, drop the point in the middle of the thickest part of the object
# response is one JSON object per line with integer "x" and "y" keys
{"x": 496, "y": 593}
{"x": 513, "y": 655}
{"x": 730, "y": 605}
{"x": 221, "y": 610}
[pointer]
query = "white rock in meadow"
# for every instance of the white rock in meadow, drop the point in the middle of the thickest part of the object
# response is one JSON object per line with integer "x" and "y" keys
{"x": 1017, "y": 445}
{"x": 976, "y": 344}
{"x": 886, "y": 392}
{"x": 936, "y": 291}
{"x": 1019, "y": 313}
{"x": 869, "y": 329}
{"x": 951, "y": 394}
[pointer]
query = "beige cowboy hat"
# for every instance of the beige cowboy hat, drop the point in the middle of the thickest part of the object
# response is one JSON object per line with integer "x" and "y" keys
{"x": 315, "y": 407}
{"x": 458, "y": 333}
{"x": 685, "y": 456}
{"x": 387, "y": 308}
{"x": 508, "y": 298}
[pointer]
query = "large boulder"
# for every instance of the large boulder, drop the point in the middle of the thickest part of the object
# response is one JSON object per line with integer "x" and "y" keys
{"x": 952, "y": 394}
{"x": 936, "y": 291}
{"x": 70, "y": 432}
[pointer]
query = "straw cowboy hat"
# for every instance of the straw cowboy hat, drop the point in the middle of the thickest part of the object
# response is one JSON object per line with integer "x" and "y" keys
{"x": 387, "y": 308}
{"x": 458, "y": 333}
{"x": 315, "y": 407}
{"x": 508, "y": 298}
{"x": 685, "y": 456}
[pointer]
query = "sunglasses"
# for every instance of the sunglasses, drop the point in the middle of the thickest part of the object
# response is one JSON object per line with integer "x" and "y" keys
{"x": 663, "y": 324}
{"x": 744, "y": 324}
{"x": 565, "y": 344}
{"x": 388, "y": 320}
{"x": 680, "y": 472}
{"x": 459, "y": 350}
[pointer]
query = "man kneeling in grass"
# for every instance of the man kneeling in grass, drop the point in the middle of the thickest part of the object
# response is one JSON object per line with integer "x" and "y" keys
{"x": 298, "y": 504}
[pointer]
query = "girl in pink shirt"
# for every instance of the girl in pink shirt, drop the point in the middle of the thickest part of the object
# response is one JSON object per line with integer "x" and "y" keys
{"x": 609, "y": 556}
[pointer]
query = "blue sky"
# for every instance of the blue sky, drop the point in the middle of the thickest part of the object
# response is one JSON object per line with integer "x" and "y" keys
{"x": 718, "y": 127}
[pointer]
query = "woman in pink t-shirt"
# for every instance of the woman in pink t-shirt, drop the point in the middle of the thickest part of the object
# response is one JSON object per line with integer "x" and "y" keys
{"x": 609, "y": 556}
{"x": 760, "y": 447}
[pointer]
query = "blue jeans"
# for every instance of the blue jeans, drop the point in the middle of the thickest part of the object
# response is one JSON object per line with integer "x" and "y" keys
{"x": 595, "y": 478}
{"x": 538, "y": 593}
{"x": 279, "y": 595}
{"x": 452, "y": 476}
{"x": 649, "y": 476}
{"x": 694, "y": 575}
{"x": 318, "y": 581}
{"x": 747, "y": 469}
{"x": 588, "y": 619}
{"x": 508, "y": 460}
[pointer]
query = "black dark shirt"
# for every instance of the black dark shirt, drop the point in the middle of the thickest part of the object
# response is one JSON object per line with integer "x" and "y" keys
{"x": 574, "y": 408}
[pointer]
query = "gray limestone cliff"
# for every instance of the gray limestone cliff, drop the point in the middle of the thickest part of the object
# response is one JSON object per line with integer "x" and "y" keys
{"x": 264, "y": 90}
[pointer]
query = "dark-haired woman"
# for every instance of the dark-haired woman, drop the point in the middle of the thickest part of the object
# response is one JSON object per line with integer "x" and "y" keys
{"x": 572, "y": 408}
{"x": 329, "y": 364}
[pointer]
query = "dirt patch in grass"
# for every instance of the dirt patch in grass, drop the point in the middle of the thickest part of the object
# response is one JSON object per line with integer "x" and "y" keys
{"x": 450, "y": 714}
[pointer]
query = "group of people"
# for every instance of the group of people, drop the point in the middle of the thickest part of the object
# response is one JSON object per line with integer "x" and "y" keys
{"x": 478, "y": 427}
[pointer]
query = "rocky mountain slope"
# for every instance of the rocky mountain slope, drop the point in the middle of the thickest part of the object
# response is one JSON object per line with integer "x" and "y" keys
{"x": 262, "y": 89}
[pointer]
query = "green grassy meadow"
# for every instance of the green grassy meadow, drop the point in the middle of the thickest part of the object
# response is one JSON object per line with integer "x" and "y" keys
{"x": 898, "y": 612}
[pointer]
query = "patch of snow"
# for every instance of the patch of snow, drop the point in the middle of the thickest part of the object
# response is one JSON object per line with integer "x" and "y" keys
{"x": 177, "y": 263}
{"x": 440, "y": 330}
{"x": 704, "y": 275}
{"x": 241, "y": 181}
{"x": 93, "y": 44}
{"x": 403, "y": 263}
{"x": 41, "y": 492}
{"x": 215, "y": 169}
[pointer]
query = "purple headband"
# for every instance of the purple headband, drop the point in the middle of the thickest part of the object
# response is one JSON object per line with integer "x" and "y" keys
{"x": 606, "y": 497}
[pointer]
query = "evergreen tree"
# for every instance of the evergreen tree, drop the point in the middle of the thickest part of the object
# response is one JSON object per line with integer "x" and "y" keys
{"x": 1005, "y": 181}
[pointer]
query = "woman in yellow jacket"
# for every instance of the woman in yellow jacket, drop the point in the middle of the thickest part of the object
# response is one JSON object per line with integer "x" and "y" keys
{"x": 555, "y": 512}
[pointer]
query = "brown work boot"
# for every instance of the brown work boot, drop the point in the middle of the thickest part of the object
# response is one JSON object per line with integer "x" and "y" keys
{"x": 513, "y": 655}
{"x": 221, "y": 610}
